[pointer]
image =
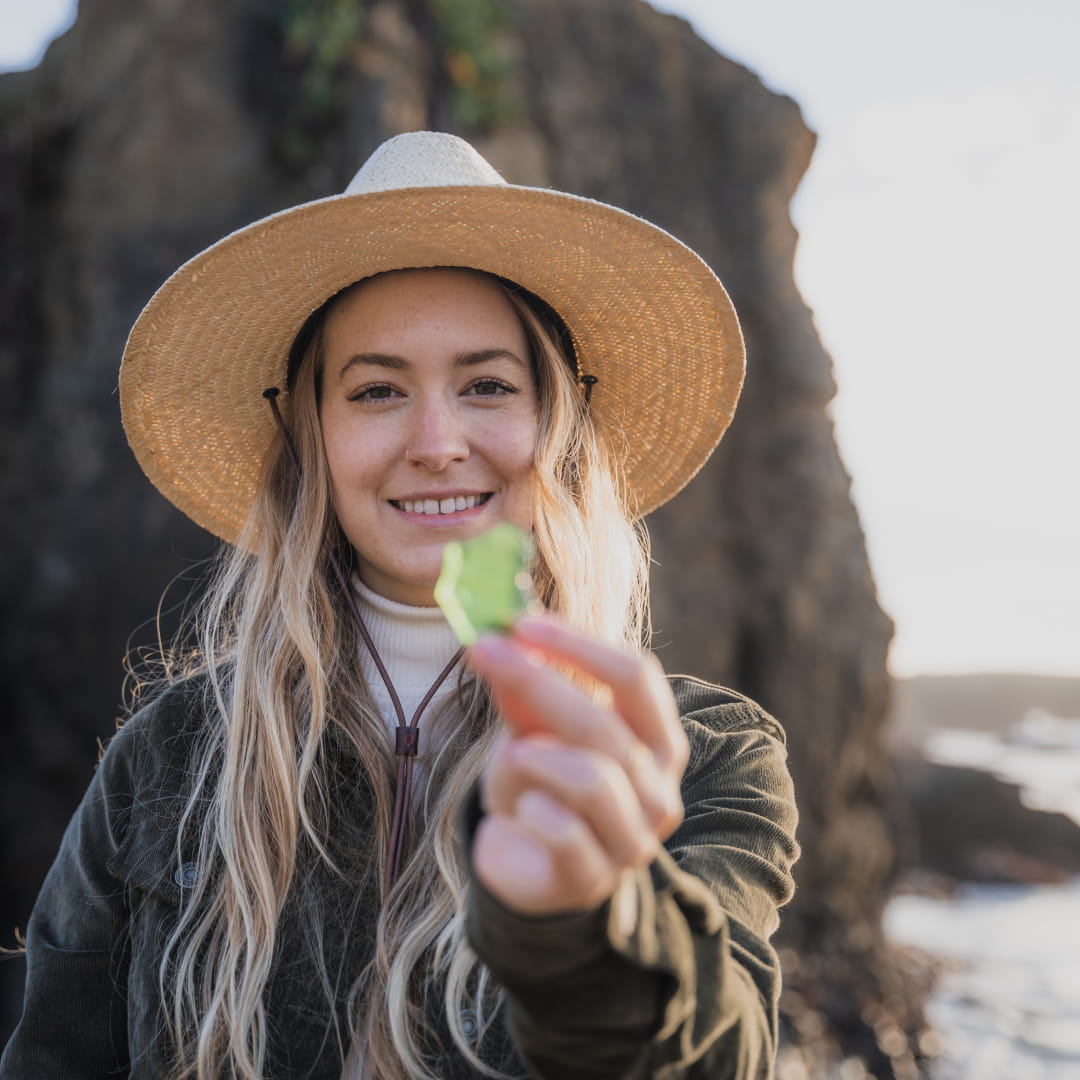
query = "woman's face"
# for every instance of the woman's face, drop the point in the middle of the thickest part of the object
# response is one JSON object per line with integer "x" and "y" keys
{"x": 429, "y": 417}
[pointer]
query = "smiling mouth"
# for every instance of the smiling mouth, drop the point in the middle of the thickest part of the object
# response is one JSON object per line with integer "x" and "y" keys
{"x": 451, "y": 505}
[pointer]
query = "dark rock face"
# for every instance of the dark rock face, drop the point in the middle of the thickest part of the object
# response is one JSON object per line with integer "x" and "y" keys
{"x": 150, "y": 131}
{"x": 971, "y": 826}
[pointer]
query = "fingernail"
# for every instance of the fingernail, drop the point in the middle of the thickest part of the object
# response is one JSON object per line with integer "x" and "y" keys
{"x": 492, "y": 649}
{"x": 535, "y": 628}
{"x": 543, "y": 812}
{"x": 519, "y": 753}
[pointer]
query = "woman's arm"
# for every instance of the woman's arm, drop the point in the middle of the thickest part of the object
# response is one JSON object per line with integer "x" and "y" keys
{"x": 671, "y": 973}
{"x": 74, "y": 1021}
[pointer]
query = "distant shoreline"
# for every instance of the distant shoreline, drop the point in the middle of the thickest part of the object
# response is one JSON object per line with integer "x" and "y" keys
{"x": 990, "y": 702}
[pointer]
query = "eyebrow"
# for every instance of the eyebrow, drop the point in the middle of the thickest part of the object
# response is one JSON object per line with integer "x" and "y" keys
{"x": 461, "y": 360}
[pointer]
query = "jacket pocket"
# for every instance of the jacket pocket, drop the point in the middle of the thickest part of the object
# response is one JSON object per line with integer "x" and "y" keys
{"x": 148, "y": 861}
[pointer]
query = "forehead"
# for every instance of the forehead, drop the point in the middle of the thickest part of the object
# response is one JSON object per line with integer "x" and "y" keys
{"x": 399, "y": 299}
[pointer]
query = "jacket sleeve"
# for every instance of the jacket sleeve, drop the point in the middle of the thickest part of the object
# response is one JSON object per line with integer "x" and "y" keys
{"x": 74, "y": 1021}
{"x": 674, "y": 977}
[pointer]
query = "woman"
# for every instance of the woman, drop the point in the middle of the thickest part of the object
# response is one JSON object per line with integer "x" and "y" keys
{"x": 265, "y": 881}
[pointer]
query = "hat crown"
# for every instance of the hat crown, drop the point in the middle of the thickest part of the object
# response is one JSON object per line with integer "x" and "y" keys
{"x": 420, "y": 159}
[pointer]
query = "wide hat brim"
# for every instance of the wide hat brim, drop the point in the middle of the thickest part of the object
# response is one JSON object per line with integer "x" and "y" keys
{"x": 647, "y": 315}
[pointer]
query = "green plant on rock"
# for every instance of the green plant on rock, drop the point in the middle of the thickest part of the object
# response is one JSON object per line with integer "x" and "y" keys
{"x": 317, "y": 35}
{"x": 468, "y": 44}
{"x": 476, "y": 62}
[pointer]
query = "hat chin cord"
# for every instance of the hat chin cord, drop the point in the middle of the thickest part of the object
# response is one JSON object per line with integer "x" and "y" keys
{"x": 407, "y": 734}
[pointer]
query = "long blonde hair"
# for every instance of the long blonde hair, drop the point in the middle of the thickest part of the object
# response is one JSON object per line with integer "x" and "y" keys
{"x": 278, "y": 645}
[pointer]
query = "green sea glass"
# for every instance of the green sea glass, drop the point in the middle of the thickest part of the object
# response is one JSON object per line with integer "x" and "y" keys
{"x": 485, "y": 584}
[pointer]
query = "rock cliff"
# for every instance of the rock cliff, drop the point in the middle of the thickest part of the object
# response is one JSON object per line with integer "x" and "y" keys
{"x": 151, "y": 130}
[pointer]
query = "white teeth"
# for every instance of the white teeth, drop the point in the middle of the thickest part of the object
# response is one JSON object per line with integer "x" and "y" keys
{"x": 448, "y": 505}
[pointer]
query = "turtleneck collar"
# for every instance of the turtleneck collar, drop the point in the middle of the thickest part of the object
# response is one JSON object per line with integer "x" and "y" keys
{"x": 415, "y": 644}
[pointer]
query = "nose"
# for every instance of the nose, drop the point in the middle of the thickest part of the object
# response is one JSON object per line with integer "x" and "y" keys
{"x": 437, "y": 437}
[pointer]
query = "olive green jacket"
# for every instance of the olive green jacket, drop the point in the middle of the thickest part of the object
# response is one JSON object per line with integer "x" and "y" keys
{"x": 675, "y": 980}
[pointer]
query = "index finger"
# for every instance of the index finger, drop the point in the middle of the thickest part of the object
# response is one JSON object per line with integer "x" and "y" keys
{"x": 640, "y": 691}
{"x": 537, "y": 697}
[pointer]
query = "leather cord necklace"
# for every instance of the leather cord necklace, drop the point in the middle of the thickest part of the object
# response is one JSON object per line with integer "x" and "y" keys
{"x": 407, "y": 734}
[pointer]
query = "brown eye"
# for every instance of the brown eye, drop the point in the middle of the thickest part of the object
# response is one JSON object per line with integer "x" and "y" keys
{"x": 377, "y": 392}
{"x": 491, "y": 388}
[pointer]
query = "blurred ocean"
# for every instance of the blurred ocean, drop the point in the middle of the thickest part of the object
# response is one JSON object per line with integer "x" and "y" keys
{"x": 1008, "y": 1005}
{"x": 1040, "y": 754}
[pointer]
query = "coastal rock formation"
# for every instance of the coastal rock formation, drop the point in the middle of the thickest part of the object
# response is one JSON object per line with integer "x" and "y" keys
{"x": 969, "y": 825}
{"x": 151, "y": 130}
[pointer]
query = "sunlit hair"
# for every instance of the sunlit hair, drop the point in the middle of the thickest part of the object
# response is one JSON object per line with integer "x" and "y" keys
{"x": 279, "y": 645}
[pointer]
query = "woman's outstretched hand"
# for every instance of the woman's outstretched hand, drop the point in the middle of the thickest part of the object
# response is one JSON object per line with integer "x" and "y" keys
{"x": 575, "y": 793}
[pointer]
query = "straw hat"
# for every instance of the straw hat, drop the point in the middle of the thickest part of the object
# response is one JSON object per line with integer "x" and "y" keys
{"x": 649, "y": 319}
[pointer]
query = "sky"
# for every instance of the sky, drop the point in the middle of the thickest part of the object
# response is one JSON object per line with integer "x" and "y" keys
{"x": 939, "y": 238}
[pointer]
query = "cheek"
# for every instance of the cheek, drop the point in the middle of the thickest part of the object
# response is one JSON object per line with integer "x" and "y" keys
{"x": 351, "y": 451}
{"x": 336, "y": 455}
{"x": 517, "y": 449}
{"x": 519, "y": 457}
